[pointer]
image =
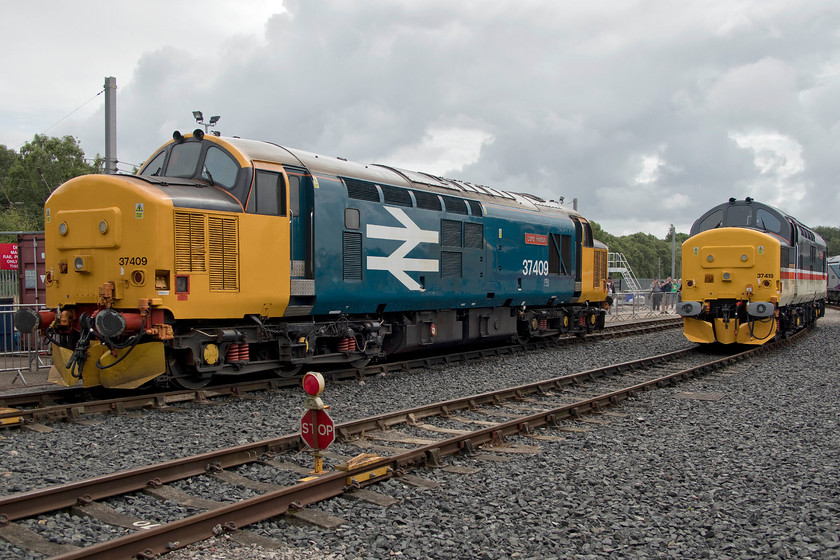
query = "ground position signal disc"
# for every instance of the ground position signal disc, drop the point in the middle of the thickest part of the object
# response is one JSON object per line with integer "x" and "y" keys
{"x": 313, "y": 383}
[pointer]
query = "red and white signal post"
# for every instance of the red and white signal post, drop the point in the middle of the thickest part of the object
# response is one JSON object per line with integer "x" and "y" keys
{"x": 316, "y": 427}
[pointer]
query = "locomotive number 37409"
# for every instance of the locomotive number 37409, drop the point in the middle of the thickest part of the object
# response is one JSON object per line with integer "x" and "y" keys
{"x": 537, "y": 268}
{"x": 139, "y": 261}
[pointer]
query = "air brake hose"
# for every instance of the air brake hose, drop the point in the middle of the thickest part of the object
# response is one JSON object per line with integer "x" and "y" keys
{"x": 80, "y": 352}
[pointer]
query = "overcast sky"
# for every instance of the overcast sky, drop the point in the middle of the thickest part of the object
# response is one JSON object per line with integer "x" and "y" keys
{"x": 648, "y": 112}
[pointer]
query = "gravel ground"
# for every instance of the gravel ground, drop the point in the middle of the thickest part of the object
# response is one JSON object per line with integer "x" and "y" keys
{"x": 752, "y": 475}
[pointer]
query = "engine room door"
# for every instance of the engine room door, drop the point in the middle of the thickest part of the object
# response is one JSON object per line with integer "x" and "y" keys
{"x": 301, "y": 230}
{"x": 578, "y": 255}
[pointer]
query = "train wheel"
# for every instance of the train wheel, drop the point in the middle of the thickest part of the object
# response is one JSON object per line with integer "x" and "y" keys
{"x": 185, "y": 376}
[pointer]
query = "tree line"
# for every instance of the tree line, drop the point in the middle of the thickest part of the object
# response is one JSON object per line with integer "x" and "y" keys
{"x": 30, "y": 174}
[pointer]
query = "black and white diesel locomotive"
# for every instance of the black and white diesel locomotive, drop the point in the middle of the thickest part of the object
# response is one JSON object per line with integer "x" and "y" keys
{"x": 225, "y": 256}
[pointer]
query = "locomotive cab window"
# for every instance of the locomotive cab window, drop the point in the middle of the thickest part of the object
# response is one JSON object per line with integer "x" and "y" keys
{"x": 767, "y": 221}
{"x": 183, "y": 159}
{"x": 294, "y": 194}
{"x": 155, "y": 167}
{"x": 739, "y": 216}
{"x": 269, "y": 194}
{"x": 587, "y": 235}
{"x": 219, "y": 168}
{"x": 712, "y": 221}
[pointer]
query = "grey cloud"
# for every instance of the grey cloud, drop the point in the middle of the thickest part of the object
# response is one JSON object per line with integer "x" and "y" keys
{"x": 574, "y": 97}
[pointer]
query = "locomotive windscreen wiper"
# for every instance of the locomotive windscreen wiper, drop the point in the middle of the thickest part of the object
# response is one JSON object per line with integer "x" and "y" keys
{"x": 209, "y": 175}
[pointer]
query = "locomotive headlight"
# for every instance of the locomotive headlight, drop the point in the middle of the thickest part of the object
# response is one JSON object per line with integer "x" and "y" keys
{"x": 727, "y": 277}
{"x": 710, "y": 258}
{"x": 81, "y": 263}
{"x": 62, "y": 228}
{"x": 103, "y": 227}
{"x": 744, "y": 258}
{"x": 761, "y": 309}
{"x": 689, "y": 308}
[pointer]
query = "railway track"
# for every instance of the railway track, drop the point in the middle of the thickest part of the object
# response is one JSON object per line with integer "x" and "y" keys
{"x": 390, "y": 444}
{"x": 53, "y": 404}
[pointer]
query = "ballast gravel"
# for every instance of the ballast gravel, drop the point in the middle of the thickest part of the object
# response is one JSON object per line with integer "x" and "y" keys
{"x": 751, "y": 475}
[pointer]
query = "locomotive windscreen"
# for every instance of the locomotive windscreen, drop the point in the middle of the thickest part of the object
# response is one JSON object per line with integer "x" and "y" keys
{"x": 744, "y": 214}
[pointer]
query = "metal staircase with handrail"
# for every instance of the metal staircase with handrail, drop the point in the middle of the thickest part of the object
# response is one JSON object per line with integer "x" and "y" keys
{"x": 616, "y": 262}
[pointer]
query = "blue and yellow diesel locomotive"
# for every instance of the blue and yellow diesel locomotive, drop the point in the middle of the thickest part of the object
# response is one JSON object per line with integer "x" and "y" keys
{"x": 227, "y": 256}
{"x": 749, "y": 272}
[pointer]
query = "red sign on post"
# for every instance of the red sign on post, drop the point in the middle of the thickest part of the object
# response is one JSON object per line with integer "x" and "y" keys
{"x": 317, "y": 429}
{"x": 8, "y": 256}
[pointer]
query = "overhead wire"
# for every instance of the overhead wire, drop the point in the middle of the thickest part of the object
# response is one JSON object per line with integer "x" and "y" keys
{"x": 59, "y": 121}
{"x": 73, "y": 111}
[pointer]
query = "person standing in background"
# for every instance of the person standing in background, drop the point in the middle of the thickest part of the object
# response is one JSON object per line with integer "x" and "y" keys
{"x": 675, "y": 292}
{"x": 666, "y": 295}
{"x": 655, "y": 294}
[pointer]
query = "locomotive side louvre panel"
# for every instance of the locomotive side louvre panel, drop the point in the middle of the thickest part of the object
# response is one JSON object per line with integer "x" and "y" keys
{"x": 451, "y": 264}
{"x": 396, "y": 196}
{"x": 426, "y": 200}
{"x": 224, "y": 253}
{"x": 473, "y": 235}
{"x": 454, "y": 205}
{"x": 208, "y": 243}
{"x": 352, "y": 255}
{"x": 190, "y": 242}
{"x": 361, "y": 190}
{"x": 451, "y": 234}
{"x": 600, "y": 268}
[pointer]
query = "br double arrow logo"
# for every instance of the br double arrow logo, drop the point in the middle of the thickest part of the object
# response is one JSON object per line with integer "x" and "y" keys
{"x": 397, "y": 263}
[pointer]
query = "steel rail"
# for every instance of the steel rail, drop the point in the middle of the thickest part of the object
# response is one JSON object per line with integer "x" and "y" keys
{"x": 118, "y": 405}
{"x": 35, "y": 502}
{"x": 231, "y": 517}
